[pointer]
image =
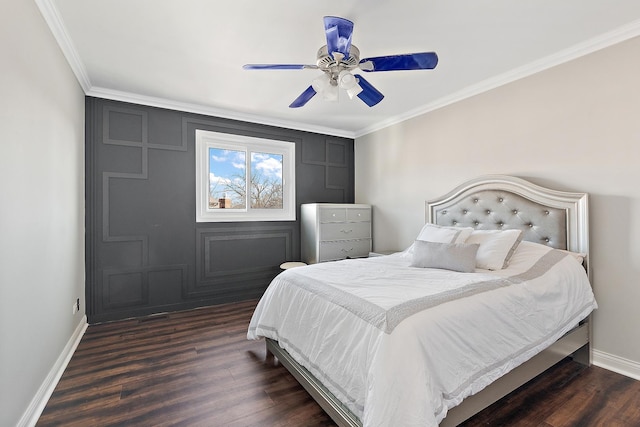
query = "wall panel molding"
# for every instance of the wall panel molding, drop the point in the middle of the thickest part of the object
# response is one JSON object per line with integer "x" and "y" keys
{"x": 145, "y": 253}
{"x": 332, "y": 155}
{"x": 213, "y": 275}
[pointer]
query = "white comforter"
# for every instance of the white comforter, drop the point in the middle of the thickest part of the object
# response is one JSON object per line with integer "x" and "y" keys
{"x": 401, "y": 345}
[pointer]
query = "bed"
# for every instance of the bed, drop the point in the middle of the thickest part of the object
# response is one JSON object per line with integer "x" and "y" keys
{"x": 392, "y": 340}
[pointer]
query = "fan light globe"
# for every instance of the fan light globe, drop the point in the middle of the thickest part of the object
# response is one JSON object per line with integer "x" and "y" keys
{"x": 354, "y": 91}
{"x": 319, "y": 84}
{"x": 330, "y": 93}
{"x": 348, "y": 82}
{"x": 325, "y": 87}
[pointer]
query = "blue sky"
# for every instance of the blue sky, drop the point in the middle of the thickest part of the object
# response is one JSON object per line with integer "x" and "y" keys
{"x": 226, "y": 163}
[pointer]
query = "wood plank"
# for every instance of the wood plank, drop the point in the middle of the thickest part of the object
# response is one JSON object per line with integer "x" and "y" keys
{"x": 196, "y": 368}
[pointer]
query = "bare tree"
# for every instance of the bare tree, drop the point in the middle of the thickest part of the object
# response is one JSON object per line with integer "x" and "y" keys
{"x": 213, "y": 200}
{"x": 265, "y": 192}
{"x": 236, "y": 187}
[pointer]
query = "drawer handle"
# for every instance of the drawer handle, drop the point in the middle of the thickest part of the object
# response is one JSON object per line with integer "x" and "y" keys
{"x": 346, "y": 231}
{"x": 346, "y": 250}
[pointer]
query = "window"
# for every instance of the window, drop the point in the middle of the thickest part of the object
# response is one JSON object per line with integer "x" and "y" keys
{"x": 240, "y": 178}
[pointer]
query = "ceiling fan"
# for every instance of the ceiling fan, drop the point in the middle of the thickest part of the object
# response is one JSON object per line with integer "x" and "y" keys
{"x": 338, "y": 58}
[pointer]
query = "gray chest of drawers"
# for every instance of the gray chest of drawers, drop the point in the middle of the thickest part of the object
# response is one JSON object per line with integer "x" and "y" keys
{"x": 331, "y": 231}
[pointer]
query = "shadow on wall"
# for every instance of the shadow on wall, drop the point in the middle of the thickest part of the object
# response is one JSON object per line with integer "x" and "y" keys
{"x": 615, "y": 262}
{"x": 611, "y": 241}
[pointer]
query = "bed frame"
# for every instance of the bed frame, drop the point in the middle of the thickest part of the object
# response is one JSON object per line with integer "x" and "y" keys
{"x": 555, "y": 218}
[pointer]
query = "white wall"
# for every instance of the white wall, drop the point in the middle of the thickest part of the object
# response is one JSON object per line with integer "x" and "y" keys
{"x": 575, "y": 127}
{"x": 41, "y": 205}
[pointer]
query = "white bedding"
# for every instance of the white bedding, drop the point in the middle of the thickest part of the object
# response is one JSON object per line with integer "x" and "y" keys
{"x": 401, "y": 345}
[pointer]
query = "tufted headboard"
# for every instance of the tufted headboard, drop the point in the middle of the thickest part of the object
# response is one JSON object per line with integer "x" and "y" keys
{"x": 555, "y": 218}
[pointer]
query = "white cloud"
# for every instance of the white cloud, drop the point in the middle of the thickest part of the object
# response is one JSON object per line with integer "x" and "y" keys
{"x": 213, "y": 180}
{"x": 267, "y": 164}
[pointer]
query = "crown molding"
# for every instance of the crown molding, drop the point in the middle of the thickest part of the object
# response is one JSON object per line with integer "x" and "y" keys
{"x": 151, "y": 101}
{"x": 53, "y": 19}
{"x": 582, "y": 49}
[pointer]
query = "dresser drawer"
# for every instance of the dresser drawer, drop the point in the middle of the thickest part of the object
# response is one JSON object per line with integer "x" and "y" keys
{"x": 341, "y": 249}
{"x": 345, "y": 230}
{"x": 333, "y": 215}
{"x": 359, "y": 214}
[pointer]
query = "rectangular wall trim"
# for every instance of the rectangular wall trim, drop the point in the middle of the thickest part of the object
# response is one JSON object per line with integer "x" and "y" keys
{"x": 145, "y": 253}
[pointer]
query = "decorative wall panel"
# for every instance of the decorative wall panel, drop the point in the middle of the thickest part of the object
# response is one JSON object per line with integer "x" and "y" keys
{"x": 331, "y": 159}
{"x": 232, "y": 259}
{"x": 145, "y": 252}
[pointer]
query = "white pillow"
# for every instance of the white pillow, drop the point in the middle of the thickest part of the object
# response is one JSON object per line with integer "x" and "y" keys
{"x": 441, "y": 234}
{"x": 496, "y": 247}
{"x": 524, "y": 245}
{"x": 448, "y": 256}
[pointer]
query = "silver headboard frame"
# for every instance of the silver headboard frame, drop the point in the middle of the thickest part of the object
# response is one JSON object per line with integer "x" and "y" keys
{"x": 555, "y": 218}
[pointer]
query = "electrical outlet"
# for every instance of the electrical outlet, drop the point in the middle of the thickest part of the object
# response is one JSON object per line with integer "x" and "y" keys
{"x": 74, "y": 308}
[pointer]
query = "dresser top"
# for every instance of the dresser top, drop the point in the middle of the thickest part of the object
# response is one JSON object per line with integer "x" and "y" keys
{"x": 338, "y": 205}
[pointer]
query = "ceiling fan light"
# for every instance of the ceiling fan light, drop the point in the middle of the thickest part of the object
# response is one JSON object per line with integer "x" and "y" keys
{"x": 330, "y": 93}
{"x": 320, "y": 84}
{"x": 354, "y": 91}
{"x": 325, "y": 87}
{"x": 347, "y": 80}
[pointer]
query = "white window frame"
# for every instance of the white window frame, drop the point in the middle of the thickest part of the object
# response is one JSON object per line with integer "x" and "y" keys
{"x": 209, "y": 139}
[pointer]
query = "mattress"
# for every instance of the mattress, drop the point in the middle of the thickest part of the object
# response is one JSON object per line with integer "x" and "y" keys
{"x": 400, "y": 345}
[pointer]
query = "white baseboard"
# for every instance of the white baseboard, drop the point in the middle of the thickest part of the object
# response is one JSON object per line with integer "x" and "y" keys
{"x": 617, "y": 364}
{"x": 39, "y": 401}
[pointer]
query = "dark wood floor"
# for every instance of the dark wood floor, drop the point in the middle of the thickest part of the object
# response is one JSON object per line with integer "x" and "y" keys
{"x": 196, "y": 368}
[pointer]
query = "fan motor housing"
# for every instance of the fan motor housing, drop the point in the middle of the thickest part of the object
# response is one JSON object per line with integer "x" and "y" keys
{"x": 334, "y": 65}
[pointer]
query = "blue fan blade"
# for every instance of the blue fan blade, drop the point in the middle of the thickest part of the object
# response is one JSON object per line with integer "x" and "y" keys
{"x": 338, "y": 32}
{"x": 303, "y": 98}
{"x": 369, "y": 95}
{"x": 275, "y": 66}
{"x": 410, "y": 61}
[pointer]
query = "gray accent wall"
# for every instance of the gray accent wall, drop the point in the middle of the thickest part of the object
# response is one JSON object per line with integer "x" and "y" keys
{"x": 144, "y": 251}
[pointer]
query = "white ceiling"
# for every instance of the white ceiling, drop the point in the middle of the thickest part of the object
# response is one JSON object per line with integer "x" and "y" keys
{"x": 188, "y": 54}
